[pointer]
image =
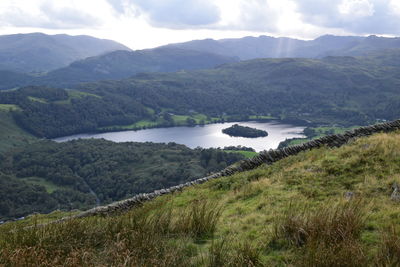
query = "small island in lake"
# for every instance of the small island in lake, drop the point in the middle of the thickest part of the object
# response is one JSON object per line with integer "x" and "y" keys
{"x": 244, "y": 131}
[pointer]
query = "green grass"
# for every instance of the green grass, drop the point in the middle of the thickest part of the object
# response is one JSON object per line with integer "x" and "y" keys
{"x": 135, "y": 126}
{"x": 199, "y": 118}
{"x": 37, "y": 99}
{"x": 290, "y": 213}
{"x": 321, "y": 131}
{"x": 75, "y": 94}
{"x": 12, "y": 136}
{"x": 50, "y": 187}
{"x": 247, "y": 154}
{"x": 179, "y": 120}
{"x": 261, "y": 117}
{"x": 79, "y": 94}
{"x": 9, "y": 107}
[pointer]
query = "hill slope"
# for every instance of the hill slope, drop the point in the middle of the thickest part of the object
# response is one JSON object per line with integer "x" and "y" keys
{"x": 117, "y": 65}
{"x": 45, "y": 176}
{"x": 39, "y": 52}
{"x": 123, "y": 64}
{"x": 323, "y": 207}
{"x": 334, "y": 90}
{"x": 270, "y": 47}
{"x": 11, "y": 135}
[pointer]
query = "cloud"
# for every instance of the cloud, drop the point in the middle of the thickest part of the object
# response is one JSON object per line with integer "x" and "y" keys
{"x": 118, "y": 5}
{"x": 47, "y": 15}
{"x": 67, "y": 17}
{"x": 256, "y": 15}
{"x": 172, "y": 13}
{"x": 356, "y": 8}
{"x": 354, "y": 16}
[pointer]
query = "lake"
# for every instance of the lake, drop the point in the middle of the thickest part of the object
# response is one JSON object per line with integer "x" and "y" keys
{"x": 206, "y": 136}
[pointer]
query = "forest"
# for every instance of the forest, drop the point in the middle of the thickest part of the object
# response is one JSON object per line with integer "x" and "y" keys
{"x": 344, "y": 91}
{"x": 244, "y": 131}
{"x": 46, "y": 175}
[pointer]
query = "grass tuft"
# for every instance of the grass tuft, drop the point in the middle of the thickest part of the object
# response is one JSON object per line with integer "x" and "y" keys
{"x": 328, "y": 236}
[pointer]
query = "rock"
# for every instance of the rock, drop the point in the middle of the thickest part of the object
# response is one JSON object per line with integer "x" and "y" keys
{"x": 395, "y": 194}
{"x": 349, "y": 195}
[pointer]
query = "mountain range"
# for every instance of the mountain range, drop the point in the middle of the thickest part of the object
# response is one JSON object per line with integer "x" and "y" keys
{"x": 38, "y": 52}
{"x": 271, "y": 47}
{"x": 193, "y": 55}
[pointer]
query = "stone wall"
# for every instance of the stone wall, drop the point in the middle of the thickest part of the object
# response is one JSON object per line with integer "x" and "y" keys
{"x": 264, "y": 157}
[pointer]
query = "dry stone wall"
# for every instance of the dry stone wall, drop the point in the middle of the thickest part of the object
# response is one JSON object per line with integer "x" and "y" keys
{"x": 264, "y": 157}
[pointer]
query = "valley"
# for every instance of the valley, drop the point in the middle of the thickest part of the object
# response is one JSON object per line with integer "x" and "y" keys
{"x": 205, "y": 136}
{"x": 123, "y": 152}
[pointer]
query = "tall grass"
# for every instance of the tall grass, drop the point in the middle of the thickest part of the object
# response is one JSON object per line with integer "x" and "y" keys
{"x": 199, "y": 220}
{"x": 229, "y": 252}
{"x": 148, "y": 236}
{"x": 389, "y": 249}
{"x": 329, "y": 236}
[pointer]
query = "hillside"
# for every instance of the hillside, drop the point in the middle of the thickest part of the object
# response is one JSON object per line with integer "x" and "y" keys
{"x": 345, "y": 91}
{"x": 270, "y": 47}
{"x": 123, "y": 64}
{"x": 46, "y": 175}
{"x": 341, "y": 90}
{"x": 38, "y": 52}
{"x": 11, "y": 135}
{"x": 345, "y": 212}
{"x": 116, "y": 65}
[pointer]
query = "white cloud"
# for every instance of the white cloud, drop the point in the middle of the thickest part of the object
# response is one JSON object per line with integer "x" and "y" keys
{"x": 353, "y": 16}
{"x": 176, "y": 14}
{"x": 356, "y": 8}
{"x": 148, "y": 23}
{"x": 395, "y": 6}
{"x": 47, "y": 14}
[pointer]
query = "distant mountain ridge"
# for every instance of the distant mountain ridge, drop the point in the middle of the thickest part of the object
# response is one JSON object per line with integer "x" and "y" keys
{"x": 118, "y": 65}
{"x": 194, "y": 55}
{"x": 271, "y": 47}
{"x": 123, "y": 64}
{"x": 39, "y": 52}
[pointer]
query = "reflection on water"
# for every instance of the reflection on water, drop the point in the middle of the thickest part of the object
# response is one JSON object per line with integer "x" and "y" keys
{"x": 203, "y": 136}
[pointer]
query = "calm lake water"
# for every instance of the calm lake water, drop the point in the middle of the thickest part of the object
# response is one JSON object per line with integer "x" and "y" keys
{"x": 206, "y": 136}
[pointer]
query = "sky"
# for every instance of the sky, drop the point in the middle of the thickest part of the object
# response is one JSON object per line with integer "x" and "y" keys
{"x": 141, "y": 24}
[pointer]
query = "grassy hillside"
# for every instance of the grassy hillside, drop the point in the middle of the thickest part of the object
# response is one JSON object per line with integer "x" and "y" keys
{"x": 325, "y": 207}
{"x": 11, "y": 135}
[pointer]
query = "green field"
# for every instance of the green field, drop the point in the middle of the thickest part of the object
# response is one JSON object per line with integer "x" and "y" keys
{"x": 9, "y": 107}
{"x": 319, "y": 132}
{"x": 79, "y": 94}
{"x": 178, "y": 120}
{"x": 11, "y": 135}
{"x": 50, "y": 187}
{"x": 75, "y": 94}
{"x": 247, "y": 154}
{"x": 37, "y": 99}
{"x": 261, "y": 117}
